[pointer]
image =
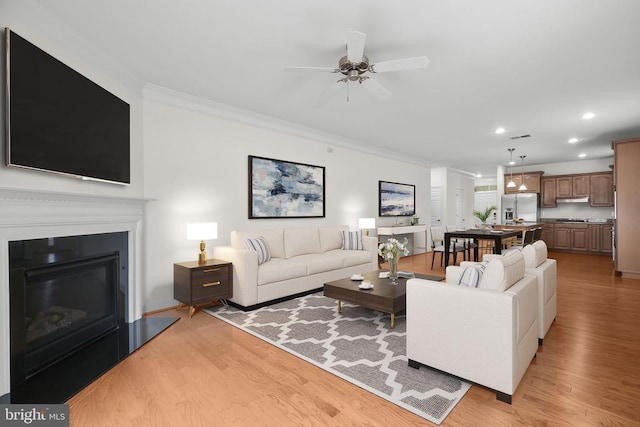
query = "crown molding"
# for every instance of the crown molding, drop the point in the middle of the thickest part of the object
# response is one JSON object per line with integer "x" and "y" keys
{"x": 202, "y": 105}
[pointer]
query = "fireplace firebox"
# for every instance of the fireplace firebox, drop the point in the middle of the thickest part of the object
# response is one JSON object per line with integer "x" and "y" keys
{"x": 65, "y": 293}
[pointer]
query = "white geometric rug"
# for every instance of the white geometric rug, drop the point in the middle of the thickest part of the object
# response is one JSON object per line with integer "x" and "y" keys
{"x": 357, "y": 346}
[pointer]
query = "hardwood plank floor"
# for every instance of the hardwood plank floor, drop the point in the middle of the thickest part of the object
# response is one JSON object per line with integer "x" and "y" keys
{"x": 203, "y": 372}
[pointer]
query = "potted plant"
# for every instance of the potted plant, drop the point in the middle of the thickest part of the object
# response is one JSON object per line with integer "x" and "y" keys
{"x": 484, "y": 215}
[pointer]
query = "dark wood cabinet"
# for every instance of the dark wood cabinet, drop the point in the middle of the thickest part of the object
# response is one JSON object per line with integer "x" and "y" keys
{"x": 548, "y": 190}
{"x": 573, "y": 237}
{"x": 606, "y": 238}
{"x": 597, "y": 186}
{"x": 547, "y": 235}
{"x": 581, "y": 237}
{"x": 197, "y": 283}
{"x": 572, "y": 186}
{"x": 595, "y": 237}
{"x": 531, "y": 180}
{"x": 601, "y": 189}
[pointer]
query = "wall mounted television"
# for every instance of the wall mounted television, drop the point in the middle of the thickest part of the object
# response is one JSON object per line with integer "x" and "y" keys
{"x": 59, "y": 121}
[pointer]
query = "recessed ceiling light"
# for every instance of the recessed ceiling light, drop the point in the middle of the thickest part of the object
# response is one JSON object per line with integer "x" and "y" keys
{"x": 478, "y": 175}
{"x": 500, "y": 131}
{"x": 581, "y": 155}
{"x": 588, "y": 115}
{"x": 573, "y": 140}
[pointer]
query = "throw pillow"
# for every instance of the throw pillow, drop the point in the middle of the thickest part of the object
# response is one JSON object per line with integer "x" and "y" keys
{"x": 258, "y": 245}
{"x": 352, "y": 240}
{"x": 471, "y": 275}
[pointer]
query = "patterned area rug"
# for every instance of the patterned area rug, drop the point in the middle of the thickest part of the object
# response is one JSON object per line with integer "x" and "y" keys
{"x": 357, "y": 346}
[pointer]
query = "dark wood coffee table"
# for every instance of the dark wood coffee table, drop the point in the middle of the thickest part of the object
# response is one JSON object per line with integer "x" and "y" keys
{"x": 383, "y": 297}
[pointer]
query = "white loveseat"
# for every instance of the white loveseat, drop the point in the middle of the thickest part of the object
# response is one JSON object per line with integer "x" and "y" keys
{"x": 301, "y": 260}
{"x": 487, "y": 335}
{"x": 546, "y": 271}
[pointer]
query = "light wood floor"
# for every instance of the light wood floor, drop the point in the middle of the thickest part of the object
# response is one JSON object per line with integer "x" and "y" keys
{"x": 203, "y": 372}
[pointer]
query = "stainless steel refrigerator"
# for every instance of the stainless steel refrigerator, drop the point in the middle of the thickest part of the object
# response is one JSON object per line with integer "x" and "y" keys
{"x": 525, "y": 206}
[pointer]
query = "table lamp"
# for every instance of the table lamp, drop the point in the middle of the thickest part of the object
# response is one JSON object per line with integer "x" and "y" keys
{"x": 202, "y": 231}
{"x": 366, "y": 224}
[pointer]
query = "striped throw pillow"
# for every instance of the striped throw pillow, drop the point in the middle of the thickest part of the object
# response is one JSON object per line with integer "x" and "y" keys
{"x": 471, "y": 275}
{"x": 258, "y": 245}
{"x": 352, "y": 240}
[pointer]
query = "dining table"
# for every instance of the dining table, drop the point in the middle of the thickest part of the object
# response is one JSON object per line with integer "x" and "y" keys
{"x": 497, "y": 236}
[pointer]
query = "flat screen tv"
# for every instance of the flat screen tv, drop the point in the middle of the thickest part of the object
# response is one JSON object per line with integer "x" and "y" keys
{"x": 60, "y": 121}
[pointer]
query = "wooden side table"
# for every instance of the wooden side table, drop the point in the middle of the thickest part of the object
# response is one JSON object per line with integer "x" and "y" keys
{"x": 197, "y": 283}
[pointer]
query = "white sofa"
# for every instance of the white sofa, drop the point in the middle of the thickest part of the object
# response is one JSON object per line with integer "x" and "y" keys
{"x": 487, "y": 335}
{"x": 546, "y": 271}
{"x": 302, "y": 259}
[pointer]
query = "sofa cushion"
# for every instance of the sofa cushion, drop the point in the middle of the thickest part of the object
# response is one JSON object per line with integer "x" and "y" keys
{"x": 352, "y": 240}
{"x": 535, "y": 254}
{"x": 273, "y": 238}
{"x": 349, "y": 258}
{"x": 258, "y": 245}
{"x": 501, "y": 273}
{"x": 331, "y": 237}
{"x": 301, "y": 241}
{"x": 279, "y": 269}
{"x": 318, "y": 263}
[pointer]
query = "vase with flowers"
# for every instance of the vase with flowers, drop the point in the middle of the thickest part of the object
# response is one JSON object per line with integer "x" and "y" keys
{"x": 390, "y": 251}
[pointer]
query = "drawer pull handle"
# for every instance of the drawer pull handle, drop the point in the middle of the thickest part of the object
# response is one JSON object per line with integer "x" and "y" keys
{"x": 206, "y": 285}
{"x": 210, "y": 270}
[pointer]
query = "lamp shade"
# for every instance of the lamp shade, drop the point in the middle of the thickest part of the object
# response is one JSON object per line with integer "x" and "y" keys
{"x": 366, "y": 223}
{"x": 202, "y": 231}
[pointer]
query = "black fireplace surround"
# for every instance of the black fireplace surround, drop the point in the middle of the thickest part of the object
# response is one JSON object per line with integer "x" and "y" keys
{"x": 68, "y": 298}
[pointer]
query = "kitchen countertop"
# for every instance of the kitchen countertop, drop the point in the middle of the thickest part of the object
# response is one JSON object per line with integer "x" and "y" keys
{"x": 578, "y": 220}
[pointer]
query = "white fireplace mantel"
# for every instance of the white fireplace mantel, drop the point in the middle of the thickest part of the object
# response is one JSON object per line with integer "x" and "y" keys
{"x": 33, "y": 214}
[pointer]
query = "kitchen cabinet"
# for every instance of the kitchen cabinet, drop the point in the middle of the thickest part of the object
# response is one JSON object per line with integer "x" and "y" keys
{"x": 606, "y": 238}
{"x": 595, "y": 237}
{"x": 626, "y": 158}
{"x": 548, "y": 191}
{"x": 531, "y": 180}
{"x": 601, "y": 193}
{"x": 547, "y": 235}
{"x": 572, "y": 186}
{"x": 571, "y": 237}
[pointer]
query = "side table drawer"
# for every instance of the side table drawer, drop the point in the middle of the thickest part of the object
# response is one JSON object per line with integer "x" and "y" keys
{"x": 210, "y": 284}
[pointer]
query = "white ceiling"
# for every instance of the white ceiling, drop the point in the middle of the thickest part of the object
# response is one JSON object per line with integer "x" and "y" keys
{"x": 533, "y": 67}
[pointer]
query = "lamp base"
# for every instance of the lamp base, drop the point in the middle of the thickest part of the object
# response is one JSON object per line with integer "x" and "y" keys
{"x": 202, "y": 256}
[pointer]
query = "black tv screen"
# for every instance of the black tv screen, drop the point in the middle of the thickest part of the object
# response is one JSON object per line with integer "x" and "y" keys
{"x": 60, "y": 121}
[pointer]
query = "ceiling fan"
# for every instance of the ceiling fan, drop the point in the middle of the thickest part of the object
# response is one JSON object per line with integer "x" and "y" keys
{"x": 355, "y": 67}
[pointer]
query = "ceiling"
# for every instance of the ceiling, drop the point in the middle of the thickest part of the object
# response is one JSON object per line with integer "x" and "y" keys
{"x": 533, "y": 67}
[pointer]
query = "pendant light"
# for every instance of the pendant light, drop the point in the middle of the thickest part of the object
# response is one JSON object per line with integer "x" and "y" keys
{"x": 522, "y": 186}
{"x": 511, "y": 184}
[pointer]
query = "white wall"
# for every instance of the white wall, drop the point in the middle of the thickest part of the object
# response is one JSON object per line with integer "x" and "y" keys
{"x": 450, "y": 180}
{"x": 28, "y": 19}
{"x": 196, "y": 167}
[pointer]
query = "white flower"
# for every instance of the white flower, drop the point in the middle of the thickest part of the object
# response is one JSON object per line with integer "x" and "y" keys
{"x": 392, "y": 248}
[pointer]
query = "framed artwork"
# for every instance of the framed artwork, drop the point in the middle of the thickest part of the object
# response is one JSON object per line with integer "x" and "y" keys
{"x": 395, "y": 199}
{"x": 281, "y": 189}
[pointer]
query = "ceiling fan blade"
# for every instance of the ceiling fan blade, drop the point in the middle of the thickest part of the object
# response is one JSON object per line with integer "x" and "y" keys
{"x": 400, "y": 64}
{"x": 312, "y": 69}
{"x": 355, "y": 46}
{"x": 376, "y": 88}
{"x": 329, "y": 93}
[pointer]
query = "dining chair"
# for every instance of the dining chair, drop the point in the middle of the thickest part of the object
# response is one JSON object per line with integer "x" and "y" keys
{"x": 526, "y": 239}
{"x": 537, "y": 234}
{"x": 467, "y": 243}
{"x": 437, "y": 245}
